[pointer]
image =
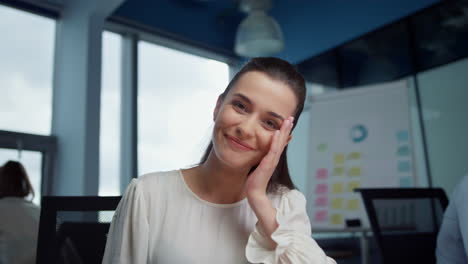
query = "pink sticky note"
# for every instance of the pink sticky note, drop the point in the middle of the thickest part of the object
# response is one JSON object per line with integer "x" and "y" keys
{"x": 320, "y": 216}
{"x": 321, "y": 188}
{"x": 322, "y": 174}
{"x": 321, "y": 201}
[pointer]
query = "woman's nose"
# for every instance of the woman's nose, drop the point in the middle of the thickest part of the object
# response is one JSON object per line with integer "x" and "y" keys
{"x": 246, "y": 128}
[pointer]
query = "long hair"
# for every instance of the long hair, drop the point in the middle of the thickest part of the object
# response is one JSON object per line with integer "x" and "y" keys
{"x": 282, "y": 71}
{"x": 14, "y": 180}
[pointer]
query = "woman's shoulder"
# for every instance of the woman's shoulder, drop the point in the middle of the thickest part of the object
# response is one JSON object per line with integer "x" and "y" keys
{"x": 154, "y": 182}
{"x": 158, "y": 177}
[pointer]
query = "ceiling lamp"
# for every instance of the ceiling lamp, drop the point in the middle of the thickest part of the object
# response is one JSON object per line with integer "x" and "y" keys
{"x": 258, "y": 34}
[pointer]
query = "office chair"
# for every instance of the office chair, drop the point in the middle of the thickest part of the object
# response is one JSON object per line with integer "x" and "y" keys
{"x": 73, "y": 230}
{"x": 405, "y": 222}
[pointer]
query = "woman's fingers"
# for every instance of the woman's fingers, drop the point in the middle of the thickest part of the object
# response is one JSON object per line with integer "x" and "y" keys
{"x": 279, "y": 141}
{"x": 285, "y": 131}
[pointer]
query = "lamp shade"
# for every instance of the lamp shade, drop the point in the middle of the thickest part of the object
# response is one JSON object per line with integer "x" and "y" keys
{"x": 258, "y": 35}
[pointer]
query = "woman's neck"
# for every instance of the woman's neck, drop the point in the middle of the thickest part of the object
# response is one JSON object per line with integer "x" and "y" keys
{"x": 217, "y": 183}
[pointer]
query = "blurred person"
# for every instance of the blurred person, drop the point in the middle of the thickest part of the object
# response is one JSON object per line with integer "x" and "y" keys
{"x": 19, "y": 217}
{"x": 452, "y": 240}
{"x": 239, "y": 205}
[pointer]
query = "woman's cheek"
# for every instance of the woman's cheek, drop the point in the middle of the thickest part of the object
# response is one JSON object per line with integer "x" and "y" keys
{"x": 266, "y": 140}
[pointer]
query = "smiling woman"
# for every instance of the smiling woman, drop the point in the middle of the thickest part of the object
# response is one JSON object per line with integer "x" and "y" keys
{"x": 239, "y": 204}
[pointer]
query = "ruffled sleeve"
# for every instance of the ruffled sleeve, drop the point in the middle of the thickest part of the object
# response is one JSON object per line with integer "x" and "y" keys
{"x": 293, "y": 236}
{"x": 127, "y": 241}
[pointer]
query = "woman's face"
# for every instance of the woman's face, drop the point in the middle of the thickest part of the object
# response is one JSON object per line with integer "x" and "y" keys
{"x": 247, "y": 118}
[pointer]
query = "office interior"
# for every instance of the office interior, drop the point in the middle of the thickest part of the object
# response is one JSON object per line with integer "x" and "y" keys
{"x": 96, "y": 93}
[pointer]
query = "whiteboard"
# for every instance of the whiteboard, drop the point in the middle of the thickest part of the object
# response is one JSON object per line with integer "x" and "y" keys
{"x": 358, "y": 138}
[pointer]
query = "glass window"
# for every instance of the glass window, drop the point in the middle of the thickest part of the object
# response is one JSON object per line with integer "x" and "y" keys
{"x": 177, "y": 96}
{"x": 441, "y": 34}
{"x": 109, "y": 171}
{"x": 377, "y": 57}
{"x": 26, "y": 53}
{"x": 443, "y": 99}
{"x": 32, "y": 162}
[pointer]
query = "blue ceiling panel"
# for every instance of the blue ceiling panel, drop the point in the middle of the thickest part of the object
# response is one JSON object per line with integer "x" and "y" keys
{"x": 309, "y": 26}
{"x": 209, "y": 24}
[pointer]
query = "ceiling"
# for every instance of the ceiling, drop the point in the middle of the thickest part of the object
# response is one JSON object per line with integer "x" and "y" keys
{"x": 309, "y": 26}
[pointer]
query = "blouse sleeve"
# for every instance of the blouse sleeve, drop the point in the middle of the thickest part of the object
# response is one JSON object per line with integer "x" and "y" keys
{"x": 127, "y": 241}
{"x": 293, "y": 236}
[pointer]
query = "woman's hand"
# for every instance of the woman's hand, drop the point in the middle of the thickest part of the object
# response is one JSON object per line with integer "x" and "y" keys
{"x": 257, "y": 181}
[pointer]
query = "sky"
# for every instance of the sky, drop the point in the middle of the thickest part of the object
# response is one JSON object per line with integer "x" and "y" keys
{"x": 177, "y": 94}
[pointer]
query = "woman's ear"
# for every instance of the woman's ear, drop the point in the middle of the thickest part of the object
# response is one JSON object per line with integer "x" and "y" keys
{"x": 218, "y": 106}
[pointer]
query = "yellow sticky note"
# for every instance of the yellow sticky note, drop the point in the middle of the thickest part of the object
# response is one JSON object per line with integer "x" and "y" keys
{"x": 353, "y": 185}
{"x": 338, "y": 171}
{"x": 354, "y": 156}
{"x": 337, "y": 188}
{"x": 336, "y": 219}
{"x": 337, "y": 203}
{"x": 352, "y": 204}
{"x": 339, "y": 158}
{"x": 355, "y": 171}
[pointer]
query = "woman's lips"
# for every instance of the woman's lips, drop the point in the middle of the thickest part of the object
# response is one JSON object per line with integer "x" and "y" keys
{"x": 237, "y": 144}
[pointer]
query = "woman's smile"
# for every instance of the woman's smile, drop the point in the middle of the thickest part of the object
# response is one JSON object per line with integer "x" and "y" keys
{"x": 237, "y": 144}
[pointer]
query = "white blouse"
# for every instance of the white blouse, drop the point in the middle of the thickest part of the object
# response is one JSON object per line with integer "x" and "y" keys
{"x": 160, "y": 220}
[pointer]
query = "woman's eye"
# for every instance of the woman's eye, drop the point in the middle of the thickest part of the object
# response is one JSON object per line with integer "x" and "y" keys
{"x": 239, "y": 105}
{"x": 271, "y": 124}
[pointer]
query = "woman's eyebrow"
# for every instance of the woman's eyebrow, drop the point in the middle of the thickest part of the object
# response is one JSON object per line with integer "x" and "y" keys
{"x": 245, "y": 98}
{"x": 276, "y": 115}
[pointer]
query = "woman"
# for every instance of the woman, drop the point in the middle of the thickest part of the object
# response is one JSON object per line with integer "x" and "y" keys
{"x": 239, "y": 204}
{"x": 19, "y": 219}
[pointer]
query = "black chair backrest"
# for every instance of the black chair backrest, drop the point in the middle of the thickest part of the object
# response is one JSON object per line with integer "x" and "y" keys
{"x": 405, "y": 222}
{"x": 74, "y": 229}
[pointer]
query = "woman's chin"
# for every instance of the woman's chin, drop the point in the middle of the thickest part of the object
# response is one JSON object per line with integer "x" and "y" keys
{"x": 239, "y": 163}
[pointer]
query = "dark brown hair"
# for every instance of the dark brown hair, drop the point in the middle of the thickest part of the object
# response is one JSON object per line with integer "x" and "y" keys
{"x": 282, "y": 71}
{"x": 14, "y": 180}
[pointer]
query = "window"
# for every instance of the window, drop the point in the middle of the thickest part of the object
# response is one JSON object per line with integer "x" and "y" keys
{"x": 176, "y": 98}
{"x": 26, "y": 53}
{"x": 109, "y": 172}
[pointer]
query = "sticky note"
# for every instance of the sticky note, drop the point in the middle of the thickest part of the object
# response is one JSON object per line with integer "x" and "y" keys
{"x": 321, "y": 216}
{"x": 403, "y": 151}
{"x": 354, "y": 171}
{"x": 321, "y": 201}
{"x": 406, "y": 182}
{"x": 353, "y": 185}
{"x": 337, "y": 203}
{"x": 404, "y": 166}
{"x": 352, "y": 204}
{"x": 402, "y": 136}
{"x": 337, "y": 188}
{"x": 339, "y": 158}
{"x": 322, "y": 147}
{"x": 338, "y": 171}
{"x": 336, "y": 219}
{"x": 354, "y": 156}
{"x": 321, "y": 188}
{"x": 322, "y": 174}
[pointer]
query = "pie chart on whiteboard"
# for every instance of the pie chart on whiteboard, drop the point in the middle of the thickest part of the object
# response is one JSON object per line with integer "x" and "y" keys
{"x": 358, "y": 133}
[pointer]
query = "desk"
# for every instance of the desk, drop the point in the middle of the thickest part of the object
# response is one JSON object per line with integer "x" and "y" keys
{"x": 362, "y": 232}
